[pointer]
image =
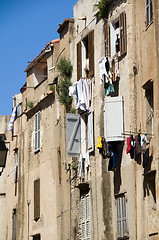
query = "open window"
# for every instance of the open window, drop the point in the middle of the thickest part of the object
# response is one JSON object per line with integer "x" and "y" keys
{"x": 115, "y": 37}
{"x": 37, "y": 237}
{"x": 149, "y": 108}
{"x": 40, "y": 72}
{"x": 85, "y": 56}
{"x": 80, "y": 133}
{"x": 14, "y": 224}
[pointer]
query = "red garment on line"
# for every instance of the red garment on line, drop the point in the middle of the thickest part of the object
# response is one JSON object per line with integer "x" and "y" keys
{"x": 128, "y": 145}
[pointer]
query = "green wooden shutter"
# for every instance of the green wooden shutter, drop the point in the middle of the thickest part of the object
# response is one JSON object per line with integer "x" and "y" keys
{"x": 79, "y": 61}
{"x": 123, "y": 33}
{"x": 37, "y": 199}
{"x": 91, "y": 52}
{"x": 107, "y": 40}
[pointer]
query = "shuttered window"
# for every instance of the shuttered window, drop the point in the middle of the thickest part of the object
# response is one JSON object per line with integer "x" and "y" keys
{"x": 14, "y": 225}
{"x": 91, "y": 52}
{"x": 79, "y": 61}
{"x": 149, "y": 14}
{"x": 73, "y": 134}
{"x": 90, "y": 132}
{"x": 121, "y": 216}
{"x": 37, "y": 199}
{"x": 123, "y": 33}
{"x": 87, "y": 53}
{"x": 16, "y": 166}
{"x": 37, "y": 132}
{"x": 113, "y": 119}
{"x": 107, "y": 40}
{"x": 19, "y": 109}
{"x": 85, "y": 217}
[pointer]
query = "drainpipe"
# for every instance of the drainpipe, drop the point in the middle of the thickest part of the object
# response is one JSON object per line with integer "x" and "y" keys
{"x": 156, "y": 86}
{"x": 28, "y": 202}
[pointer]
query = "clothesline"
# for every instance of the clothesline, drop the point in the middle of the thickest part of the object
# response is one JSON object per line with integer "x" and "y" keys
{"x": 131, "y": 132}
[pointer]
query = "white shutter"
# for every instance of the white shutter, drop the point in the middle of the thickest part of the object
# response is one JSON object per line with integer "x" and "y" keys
{"x": 73, "y": 134}
{"x": 83, "y": 135}
{"x": 85, "y": 217}
{"x": 113, "y": 119}
{"x": 37, "y": 132}
{"x": 16, "y": 167}
{"x": 121, "y": 216}
{"x": 90, "y": 132}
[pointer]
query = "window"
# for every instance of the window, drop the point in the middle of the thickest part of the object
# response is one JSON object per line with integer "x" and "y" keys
{"x": 85, "y": 56}
{"x": 87, "y": 133}
{"x": 37, "y": 132}
{"x": 115, "y": 37}
{"x": 19, "y": 109}
{"x": 40, "y": 72}
{"x": 121, "y": 216}
{"x": 85, "y": 217}
{"x": 80, "y": 134}
{"x": 148, "y": 12}
{"x": 36, "y": 199}
{"x": 14, "y": 225}
{"x": 113, "y": 119}
{"x": 149, "y": 107}
{"x": 37, "y": 237}
{"x": 16, "y": 166}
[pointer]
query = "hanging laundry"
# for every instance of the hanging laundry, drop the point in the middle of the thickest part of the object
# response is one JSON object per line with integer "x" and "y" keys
{"x": 80, "y": 167}
{"x": 72, "y": 90}
{"x": 12, "y": 119}
{"x": 87, "y": 162}
{"x": 145, "y": 158}
{"x": 113, "y": 153}
{"x": 99, "y": 142}
{"x": 115, "y": 69}
{"x": 144, "y": 142}
{"x": 109, "y": 90}
{"x": 138, "y": 148}
{"x": 107, "y": 65}
{"x": 102, "y": 62}
{"x": 133, "y": 144}
{"x": 104, "y": 147}
{"x": 128, "y": 149}
{"x": 84, "y": 94}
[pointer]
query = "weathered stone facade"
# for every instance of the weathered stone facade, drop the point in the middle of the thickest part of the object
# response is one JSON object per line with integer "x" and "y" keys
{"x": 60, "y": 193}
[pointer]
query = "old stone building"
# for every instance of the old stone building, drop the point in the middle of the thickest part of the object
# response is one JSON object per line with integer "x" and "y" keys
{"x": 91, "y": 174}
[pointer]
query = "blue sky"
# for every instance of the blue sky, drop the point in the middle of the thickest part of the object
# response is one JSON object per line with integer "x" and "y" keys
{"x": 25, "y": 28}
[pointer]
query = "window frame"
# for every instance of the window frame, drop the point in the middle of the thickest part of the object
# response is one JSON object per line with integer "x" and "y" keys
{"x": 109, "y": 36}
{"x": 36, "y": 199}
{"x": 149, "y": 12}
{"x": 85, "y": 217}
{"x": 16, "y": 166}
{"x": 121, "y": 216}
{"x": 37, "y": 141}
{"x": 84, "y": 51}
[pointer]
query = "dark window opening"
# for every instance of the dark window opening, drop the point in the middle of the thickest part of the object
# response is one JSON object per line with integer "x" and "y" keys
{"x": 37, "y": 237}
{"x": 14, "y": 225}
